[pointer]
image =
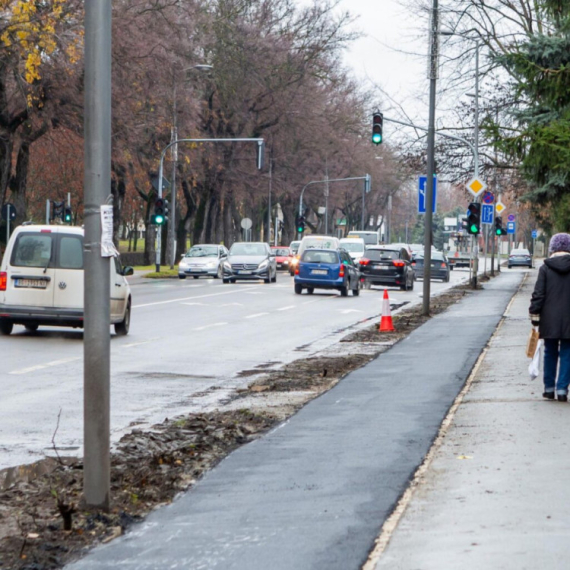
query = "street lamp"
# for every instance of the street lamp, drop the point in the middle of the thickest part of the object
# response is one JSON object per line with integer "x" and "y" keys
{"x": 174, "y": 150}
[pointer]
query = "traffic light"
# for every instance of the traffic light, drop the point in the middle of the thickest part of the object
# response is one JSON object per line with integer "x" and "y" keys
{"x": 159, "y": 216}
{"x": 377, "y": 123}
{"x": 57, "y": 210}
{"x": 499, "y": 230}
{"x": 300, "y": 224}
{"x": 67, "y": 215}
{"x": 474, "y": 218}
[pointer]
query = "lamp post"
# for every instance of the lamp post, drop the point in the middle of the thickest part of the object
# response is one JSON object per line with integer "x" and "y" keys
{"x": 174, "y": 149}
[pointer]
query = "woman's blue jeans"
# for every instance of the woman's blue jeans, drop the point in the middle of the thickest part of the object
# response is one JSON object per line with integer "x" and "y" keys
{"x": 555, "y": 349}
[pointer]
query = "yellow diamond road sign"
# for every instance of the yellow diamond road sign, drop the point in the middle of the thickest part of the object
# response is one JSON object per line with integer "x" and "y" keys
{"x": 476, "y": 186}
{"x": 499, "y": 207}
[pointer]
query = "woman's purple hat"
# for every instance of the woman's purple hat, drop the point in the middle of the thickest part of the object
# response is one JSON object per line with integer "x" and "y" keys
{"x": 559, "y": 242}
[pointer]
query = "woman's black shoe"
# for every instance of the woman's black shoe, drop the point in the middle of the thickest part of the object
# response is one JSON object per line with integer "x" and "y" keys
{"x": 548, "y": 395}
{"x": 562, "y": 398}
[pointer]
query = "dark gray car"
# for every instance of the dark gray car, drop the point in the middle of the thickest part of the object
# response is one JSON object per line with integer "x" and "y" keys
{"x": 439, "y": 266}
{"x": 250, "y": 261}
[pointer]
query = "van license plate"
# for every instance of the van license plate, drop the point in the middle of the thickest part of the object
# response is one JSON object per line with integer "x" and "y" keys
{"x": 33, "y": 283}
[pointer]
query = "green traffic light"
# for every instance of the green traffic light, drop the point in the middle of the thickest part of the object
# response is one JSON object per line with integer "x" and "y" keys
{"x": 376, "y": 138}
{"x": 474, "y": 229}
{"x": 159, "y": 220}
{"x": 300, "y": 230}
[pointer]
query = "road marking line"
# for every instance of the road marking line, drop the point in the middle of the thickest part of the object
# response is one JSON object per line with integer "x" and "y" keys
{"x": 139, "y": 343}
{"x": 256, "y": 315}
{"x": 346, "y": 311}
{"x": 47, "y": 365}
{"x": 195, "y": 304}
{"x": 232, "y": 305}
{"x": 188, "y": 298}
{"x": 210, "y": 326}
{"x": 286, "y": 308}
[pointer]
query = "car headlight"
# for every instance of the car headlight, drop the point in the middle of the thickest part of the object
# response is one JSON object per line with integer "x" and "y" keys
{"x": 263, "y": 264}
{"x": 211, "y": 264}
{"x": 183, "y": 263}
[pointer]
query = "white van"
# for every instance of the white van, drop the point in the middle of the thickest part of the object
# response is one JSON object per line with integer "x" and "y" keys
{"x": 41, "y": 281}
{"x": 317, "y": 242}
{"x": 354, "y": 246}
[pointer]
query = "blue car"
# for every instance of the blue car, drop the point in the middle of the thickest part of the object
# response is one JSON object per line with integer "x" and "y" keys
{"x": 327, "y": 269}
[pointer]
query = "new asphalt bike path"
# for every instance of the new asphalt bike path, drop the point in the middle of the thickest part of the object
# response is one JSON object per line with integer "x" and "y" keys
{"x": 314, "y": 492}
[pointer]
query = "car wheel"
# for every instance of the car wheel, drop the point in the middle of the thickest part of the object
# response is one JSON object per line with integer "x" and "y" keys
{"x": 232, "y": 280}
{"x": 412, "y": 285}
{"x": 6, "y": 326}
{"x": 298, "y": 289}
{"x": 268, "y": 280}
{"x": 344, "y": 291}
{"x": 225, "y": 281}
{"x": 195, "y": 276}
{"x": 310, "y": 290}
{"x": 220, "y": 273}
{"x": 31, "y": 327}
{"x": 404, "y": 286}
{"x": 122, "y": 328}
{"x": 356, "y": 292}
{"x": 451, "y": 268}
{"x": 274, "y": 278}
{"x": 367, "y": 285}
{"x": 182, "y": 277}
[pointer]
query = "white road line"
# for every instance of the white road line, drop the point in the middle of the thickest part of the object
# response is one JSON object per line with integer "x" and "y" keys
{"x": 188, "y": 298}
{"x": 47, "y": 365}
{"x": 210, "y": 326}
{"x": 232, "y": 305}
{"x": 256, "y": 315}
{"x": 346, "y": 311}
{"x": 138, "y": 343}
{"x": 287, "y": 308}
{"x": 195, "y": 304}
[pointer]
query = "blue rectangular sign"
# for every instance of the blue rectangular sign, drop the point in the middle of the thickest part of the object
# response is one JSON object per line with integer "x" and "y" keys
{"x": 422, "y": 194}
{"x": 534, "y": 234}
{"x": 487, "y": 216}
{"x": 511, "y": 227}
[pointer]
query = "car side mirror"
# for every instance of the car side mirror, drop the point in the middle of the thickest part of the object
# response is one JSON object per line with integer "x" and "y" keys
{"x": 128, "y": 270}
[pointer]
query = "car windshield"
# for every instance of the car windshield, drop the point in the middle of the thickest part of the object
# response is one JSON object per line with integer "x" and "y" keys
{"x": 203, "y": 251}
{"x": 520, "y": 252}
{"x": 281, "y": 251}
{"x": 382, "y": 254}
{"x": 315, "y": 256}
{"x": 370, "y": 238}
{"x": 320, "y": 243}
{"x": 435, "y": 256}
{"x": 294, "y": 246}
{"x": 248, "y": 249}
{"x": 353, "y": 246}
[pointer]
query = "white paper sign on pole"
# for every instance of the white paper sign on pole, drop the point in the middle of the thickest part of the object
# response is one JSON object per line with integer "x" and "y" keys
{"x": 107, "y": 245}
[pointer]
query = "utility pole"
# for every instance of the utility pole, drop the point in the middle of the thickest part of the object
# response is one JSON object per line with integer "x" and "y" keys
{"x": 96, "y": 336}
{"x": 433, "y": 59}
{"x": 269, "y": 204}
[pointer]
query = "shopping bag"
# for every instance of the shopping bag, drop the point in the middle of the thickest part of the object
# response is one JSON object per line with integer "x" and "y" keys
{"x": 532, "y": 342}
{"x": 534, "y": 366}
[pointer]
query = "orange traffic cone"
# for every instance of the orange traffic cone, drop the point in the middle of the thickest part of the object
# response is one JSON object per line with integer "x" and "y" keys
{"x": 386, "y": 324}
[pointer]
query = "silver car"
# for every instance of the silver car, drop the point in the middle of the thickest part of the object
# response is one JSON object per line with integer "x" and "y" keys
{"x": 250, "y": 261}
{"x": 204, "y": 259}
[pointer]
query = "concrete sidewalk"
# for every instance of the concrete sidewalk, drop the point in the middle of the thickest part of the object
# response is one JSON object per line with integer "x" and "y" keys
{"x": 314, "y": 493}
{"x": 496, "y": 494}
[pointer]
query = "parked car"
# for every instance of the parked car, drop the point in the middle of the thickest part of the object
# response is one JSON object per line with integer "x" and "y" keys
{"x": 369, "y": 237}
{"x": 294, "y": 247}
{"x": 520, "y": 257}
{"x": 41, "y": 281}
{"x": 282, "y": 256}
{"x": 387, "y": 265}
{"x": 354, "y": 246}
{"x": 439, "y": 266}
{"x": 250, "y": 261}
{"x": 327, "y": 269}
{"x": 203, "y": 259}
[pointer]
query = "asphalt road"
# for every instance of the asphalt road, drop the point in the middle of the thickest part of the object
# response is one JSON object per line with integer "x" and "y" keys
{"x": 188, "y": 341}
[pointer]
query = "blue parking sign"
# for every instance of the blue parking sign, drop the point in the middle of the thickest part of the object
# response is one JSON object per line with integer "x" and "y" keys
{"x": 511, "y": 227}
{"x": 422, "y": 194}
{"x": 487, "y": 214}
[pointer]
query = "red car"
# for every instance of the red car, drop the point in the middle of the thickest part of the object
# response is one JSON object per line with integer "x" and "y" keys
{"x": 282, "y": 256}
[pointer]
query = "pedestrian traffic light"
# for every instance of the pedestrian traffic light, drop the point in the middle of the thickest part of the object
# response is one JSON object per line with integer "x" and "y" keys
{"x": 57, "y": 210}
{"x": 377, "y": 123}
{"x": 159, "y": 216}
{"x": 474, "y": 218}
{"x": 67, "y": 215}
{"x": 499, "y": 230}
{"x": 300, "y": 224}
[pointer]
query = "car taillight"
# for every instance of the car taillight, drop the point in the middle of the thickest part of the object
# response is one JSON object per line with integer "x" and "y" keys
{"x": 398, "y": 263}
{"x": 364, "y": 261}
{"x": 341, "y": 271}
{"x": 413, "y": 263}
{"x": 443, "y": 265}
{"x": 297, "y": 270}
{"x": 3, "y": 280}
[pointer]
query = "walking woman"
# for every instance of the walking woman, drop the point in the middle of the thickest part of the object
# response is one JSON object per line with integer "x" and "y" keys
{"x": 550, "y": 311}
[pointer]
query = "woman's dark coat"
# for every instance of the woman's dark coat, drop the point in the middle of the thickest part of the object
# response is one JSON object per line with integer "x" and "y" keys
{"x": 551, "y": 298}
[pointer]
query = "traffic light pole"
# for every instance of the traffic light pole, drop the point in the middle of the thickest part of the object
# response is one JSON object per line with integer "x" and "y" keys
{"x": 260, "y": 152}
{"x": 367, "y": 179}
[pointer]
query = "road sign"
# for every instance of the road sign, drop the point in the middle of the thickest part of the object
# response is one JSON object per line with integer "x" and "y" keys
{"x": 8, "y": 209}
{"x": 511, "y": 218}
{"x": 422, "y": 195}
{"x": 487, "y": 214}
{"x": 534, "y": 234}
{"x": 476, "y": 186}
{"x": 488, "y": 197}
{"x": 500, "y": 207}
{"x": 246, "y": 223}
{"x": 511, "y": 227}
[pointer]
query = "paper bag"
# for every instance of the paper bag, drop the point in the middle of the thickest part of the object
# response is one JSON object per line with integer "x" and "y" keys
{"x": 532, "y": 342}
